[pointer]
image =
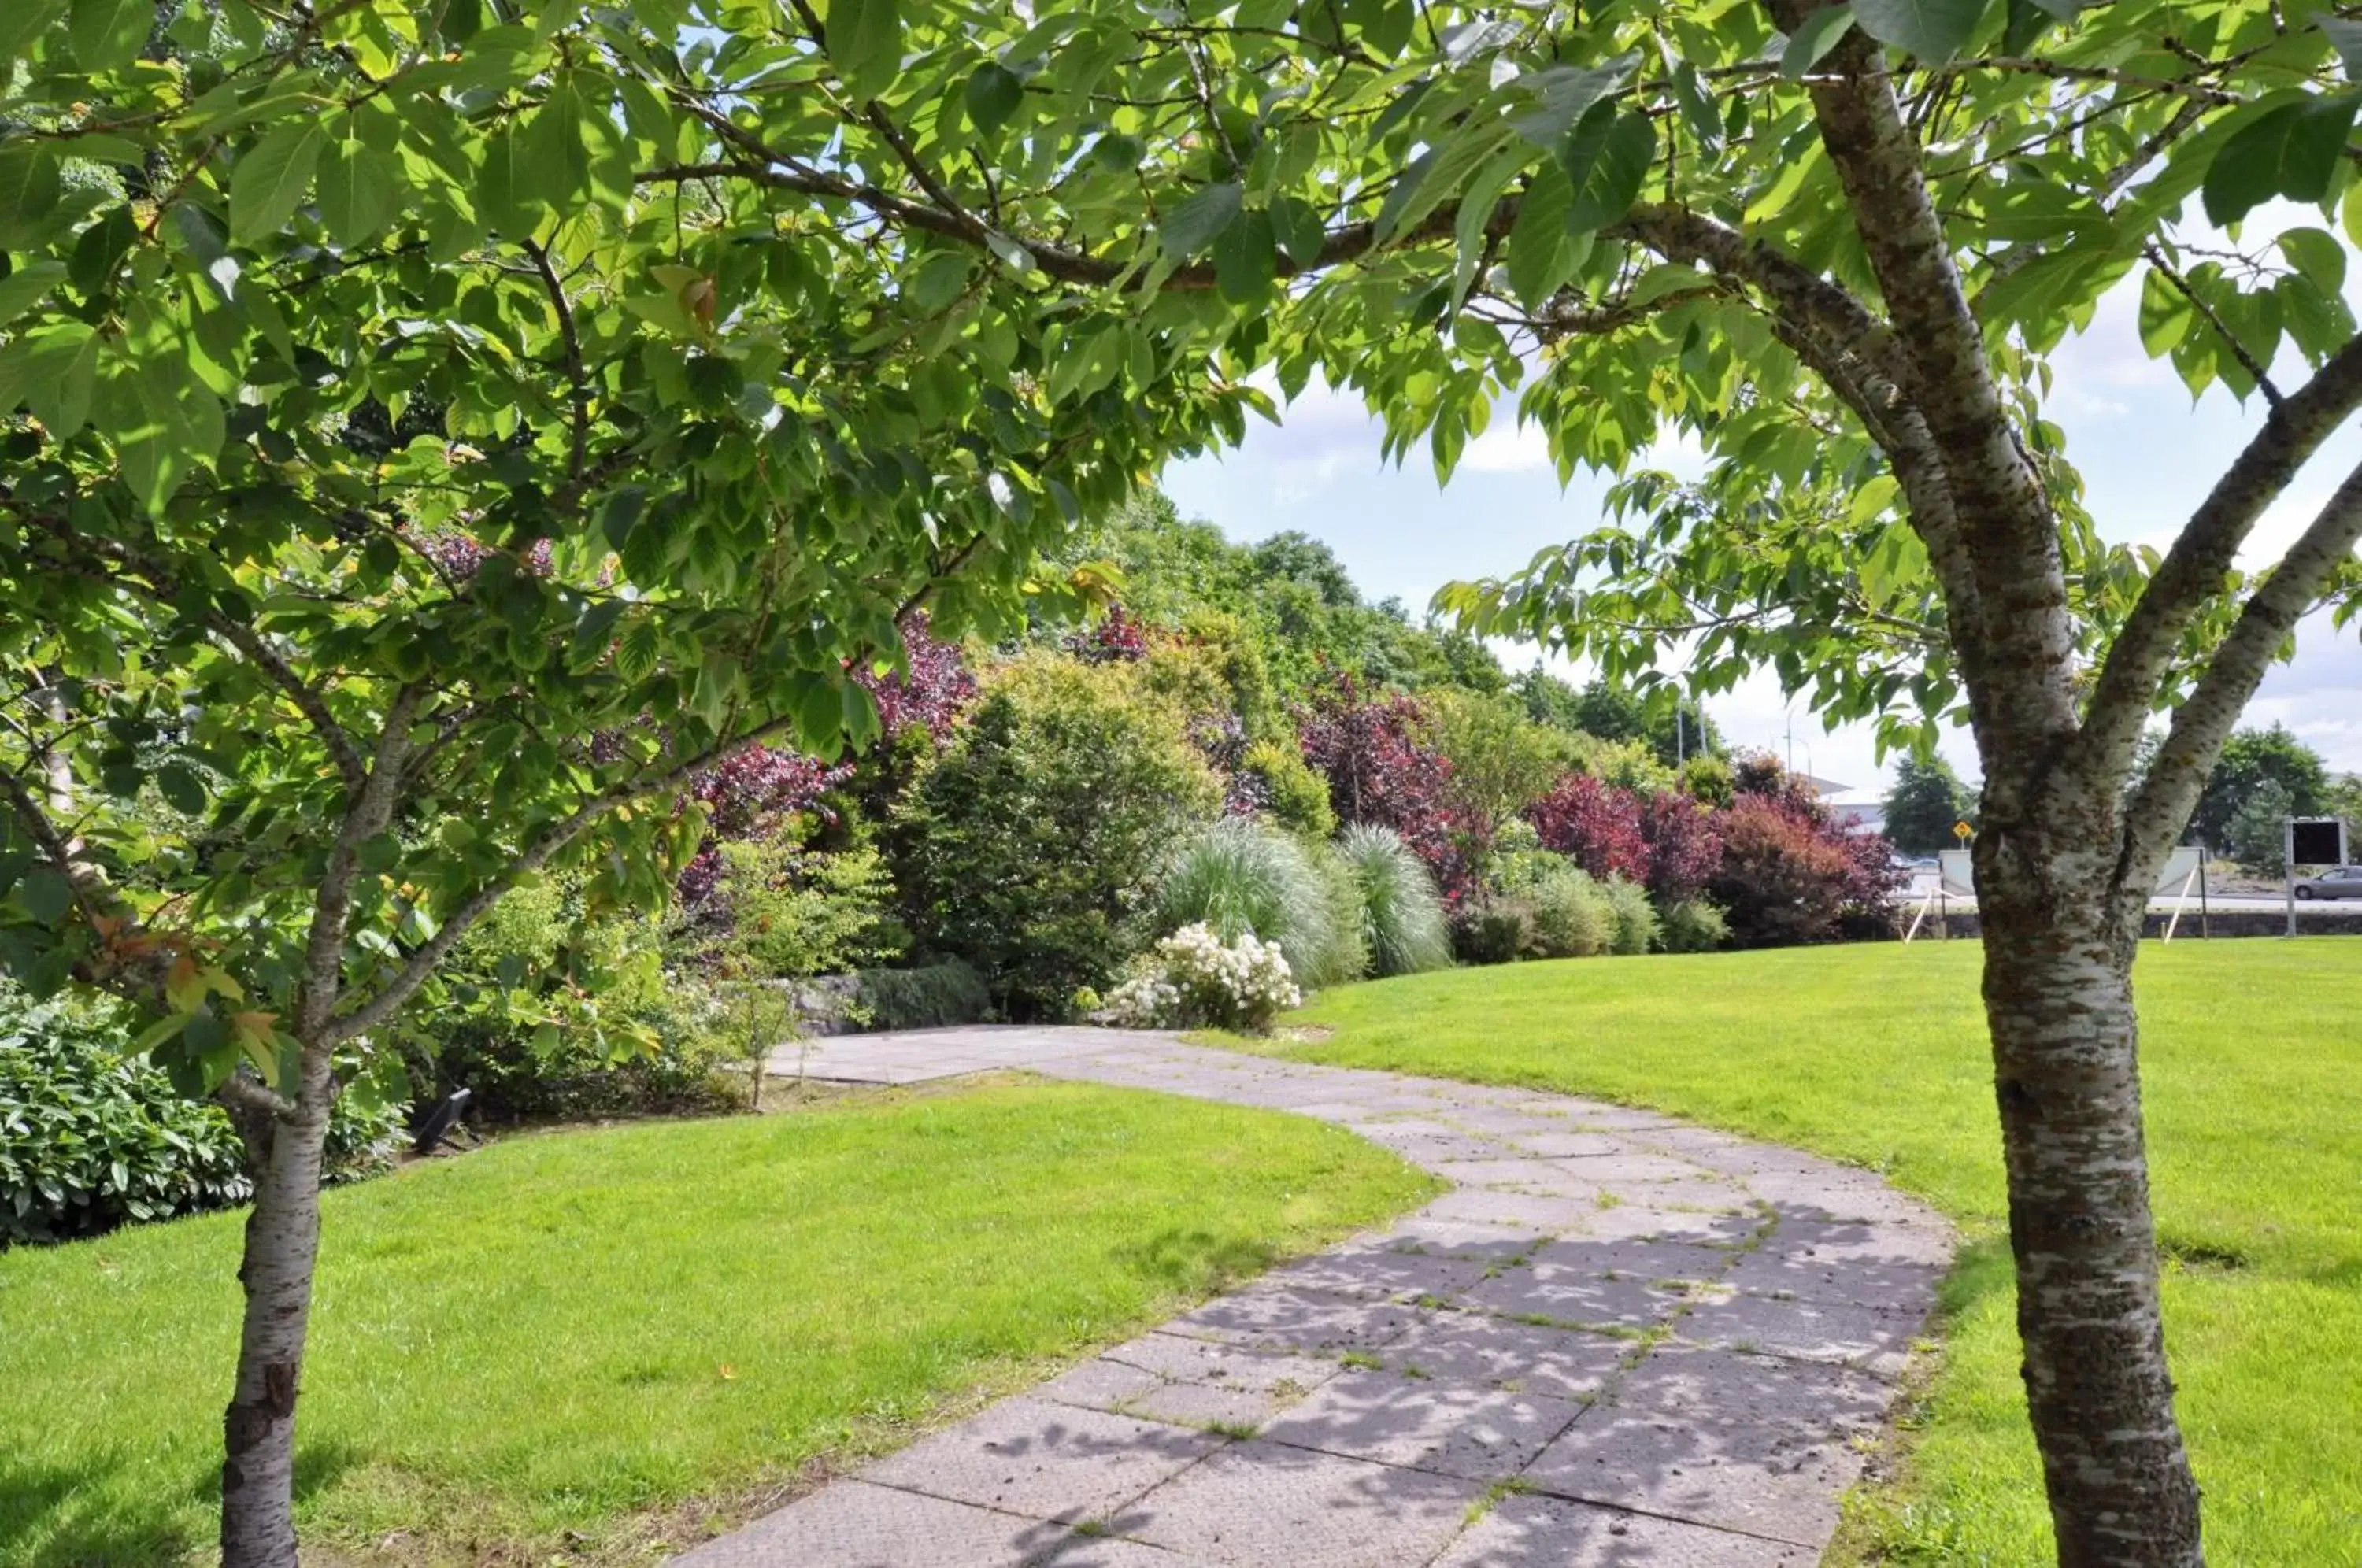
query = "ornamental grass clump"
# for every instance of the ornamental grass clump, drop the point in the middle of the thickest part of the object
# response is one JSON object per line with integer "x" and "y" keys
{"x": 1241, "y": 877}
{"x": 1402, "y": 915}
{"x": 1195, "y": 979}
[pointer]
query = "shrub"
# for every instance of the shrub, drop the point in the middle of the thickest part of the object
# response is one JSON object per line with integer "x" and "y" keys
{"x": 1593, "y": 824}
{"x": 1572, "y": 916}
{"x": 930, "y": 996}
{"x": 1693, "y": 926}
{"x": 1709, "y": 780}
{"x": 1685, "y": 846}
{"x": 1501, "y": 761}
{"x": 1024, "y": 847}
{"x": 1240, "y": 877}
{"x": 1402, "y": 915}
{"x": 1275, "y": 779}
{"x": 1195, "y": 978}
{"x": 1636, "y": 917}
{"x": 1787, "y": 878}
{"x": 91, "y": 1138}
{"x": 1382, "y": 772}
{"x": 1495, "y": 928}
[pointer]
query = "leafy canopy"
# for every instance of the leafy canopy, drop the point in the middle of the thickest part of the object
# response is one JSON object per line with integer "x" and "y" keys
{"x": 413, "y": 460}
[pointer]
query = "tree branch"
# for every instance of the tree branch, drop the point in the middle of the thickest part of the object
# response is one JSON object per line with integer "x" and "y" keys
{"x": 2204, "y": 553}
{"x": 2177, "y": 775}
{"x": 576, "y": 376}
{"x": 2006, "y": 524}
{"x": 424, "y": 959}
{"x": 155, "y": 582}
{"x": 2257, "y": 371}
{"x": 366, "y": 815}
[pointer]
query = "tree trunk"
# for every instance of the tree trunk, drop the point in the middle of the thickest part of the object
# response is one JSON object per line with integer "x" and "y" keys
{"x": 2058, "y": 988}
{"x": 283, "y": 1240}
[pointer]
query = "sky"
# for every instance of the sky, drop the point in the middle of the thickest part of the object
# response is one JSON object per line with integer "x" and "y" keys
{"x": 2148, "y": 455}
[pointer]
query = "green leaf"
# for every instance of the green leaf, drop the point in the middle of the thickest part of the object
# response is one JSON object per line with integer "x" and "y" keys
{"x": 361, "y": 187}
{"x": 1606, "y": 161}
{"x": 1540, "y": 249}
{"x": 2289, "y": 151}
{"x": 1812, "y": 41}
{"x": 29, "y": 195}
{"x": 1935, "y": 31}
{"x": 47, "y": 894}
{"x": 1246, "y": 258}
{"x": 994, "y": 93}
{"x": 506, "y": 197}
{"x": 1193, "y": 226}
{"x": 2166, "y": 313}
{"x": 554, "y": 156}
{"x": 271, "y": 180}
{"x": 22, "y": 21}
{"x": 1698, "y": 106}
{"x": 865, "y": 39}
{"x": 1565, "y": 95}
{"x": 938, "y": 281}
{"x": 819, "y": 715}
{"x": 109, "y": 33}
{"x": 164, "y": 423}
{"x": 2316, "y": 253}
{"x": 1299, "y": 230}
{"x": 53, "y": 369}
{"x": 181, "y": 788}
{"x": 22, "y": 290}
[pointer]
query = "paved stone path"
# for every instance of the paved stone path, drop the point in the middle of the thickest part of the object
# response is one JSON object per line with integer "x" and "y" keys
{"x": 1620, "y": 1341}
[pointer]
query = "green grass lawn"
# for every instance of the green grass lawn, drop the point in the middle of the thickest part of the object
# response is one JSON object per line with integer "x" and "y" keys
{"x": 2253, "y": 1067}
{"x": 586, "y": 1332}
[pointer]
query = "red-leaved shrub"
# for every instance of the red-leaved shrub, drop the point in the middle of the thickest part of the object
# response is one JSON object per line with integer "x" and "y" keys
{"x": 1380, "y": 771}
{"x": 1596, "y": 824}
{"x": 1685, "y": 846}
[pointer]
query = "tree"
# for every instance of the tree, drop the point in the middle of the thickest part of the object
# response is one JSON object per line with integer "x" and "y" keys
{"x": 1927, "y": 802}
{"x": 1673, "y": 728}
{"x": 2251, "y": 758}
{"x": 2256, "y": 834}
{"x": 426, "y": 458}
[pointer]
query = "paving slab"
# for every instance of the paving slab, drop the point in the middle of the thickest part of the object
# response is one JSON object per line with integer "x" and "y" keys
{"x": 1397, "y": 1384}
{"x": 1313, "y": 1322}
{"x": 854, "y": 1524}
{"x": 1049, "y": 1461}
{"x": 1503, "y": 1352}
{"x": 1550, "y": 1532}
{"x": 1266, "y": 1502}
{"x": 1741, "y": 1443}
{"x": 1852, "y": 1333}
{"x": 1426, "y": 1423}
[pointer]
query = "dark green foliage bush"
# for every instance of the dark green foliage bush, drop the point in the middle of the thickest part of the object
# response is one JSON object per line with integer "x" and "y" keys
{"x": 1495, "y": 928}
{"x": 1025, "y": 847}
{"x": 929, "y": 996}
{"x": 90, "y": 1139}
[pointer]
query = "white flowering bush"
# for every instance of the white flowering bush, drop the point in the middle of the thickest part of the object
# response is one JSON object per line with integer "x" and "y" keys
{"x": 1193, "y": 978}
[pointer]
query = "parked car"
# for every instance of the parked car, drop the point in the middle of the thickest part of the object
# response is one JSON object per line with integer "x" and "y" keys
{"x": 2338, "y": 882}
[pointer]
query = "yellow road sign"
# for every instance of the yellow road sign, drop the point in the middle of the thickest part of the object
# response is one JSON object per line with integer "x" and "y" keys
{"x": 1963, "y": 832}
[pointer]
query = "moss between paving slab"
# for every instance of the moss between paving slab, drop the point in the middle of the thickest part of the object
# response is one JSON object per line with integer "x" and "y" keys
{"x": 585, "y": 1346}
{"x": 2252, "y": 1061}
